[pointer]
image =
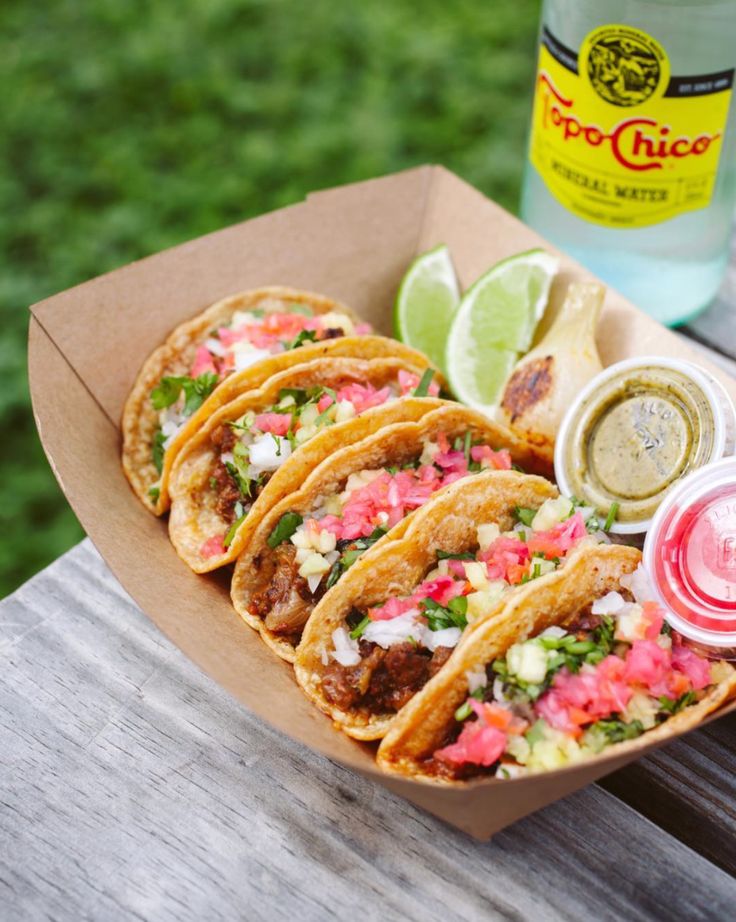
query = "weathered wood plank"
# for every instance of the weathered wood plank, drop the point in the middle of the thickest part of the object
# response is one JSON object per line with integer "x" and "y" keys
{"x": 133, "y": 787}
{"x": 689, "y": 789}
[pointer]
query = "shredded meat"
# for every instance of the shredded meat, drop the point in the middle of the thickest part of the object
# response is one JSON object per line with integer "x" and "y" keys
{"x": 223, "y": 438}
{"x": 439, "y": 658}
{"x": 332, "y": 333}
{"x": 228, "y": 492}
{"x": 344, "y": 686}
{"x": 384, "y": 680}
{"x": 282, "y": 598}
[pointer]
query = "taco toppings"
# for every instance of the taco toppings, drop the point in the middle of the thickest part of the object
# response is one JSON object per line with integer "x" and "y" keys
{"x": 609, "y": 675}
{"x": 344, "y": 525}
{"x": 249, "y": 337}
{"x": 251, "y": 448}
{"x": 384, "y": 655}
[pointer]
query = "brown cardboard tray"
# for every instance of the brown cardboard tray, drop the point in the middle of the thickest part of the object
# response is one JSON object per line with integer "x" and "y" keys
{"x": 352, "y": 243}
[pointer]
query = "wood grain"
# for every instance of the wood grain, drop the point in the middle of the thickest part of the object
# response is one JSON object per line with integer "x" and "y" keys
{"x": 133, "y": 787}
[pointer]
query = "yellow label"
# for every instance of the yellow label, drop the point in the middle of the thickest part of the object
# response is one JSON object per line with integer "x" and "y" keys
{"x": 617, "y": 139}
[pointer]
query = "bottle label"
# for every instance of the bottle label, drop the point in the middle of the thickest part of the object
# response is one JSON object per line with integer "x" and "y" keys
{"x": 618, "y": 140}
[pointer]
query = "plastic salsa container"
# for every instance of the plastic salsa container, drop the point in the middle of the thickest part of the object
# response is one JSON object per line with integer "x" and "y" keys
{"x": 690, "y": 555}
{"x": 636, "y": 430}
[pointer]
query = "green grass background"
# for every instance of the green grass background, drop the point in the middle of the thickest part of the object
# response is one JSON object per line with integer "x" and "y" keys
{"x": 127, "y": 127}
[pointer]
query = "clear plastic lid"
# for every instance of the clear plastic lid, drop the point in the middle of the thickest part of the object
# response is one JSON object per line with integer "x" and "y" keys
{"x": 690, "y": 555}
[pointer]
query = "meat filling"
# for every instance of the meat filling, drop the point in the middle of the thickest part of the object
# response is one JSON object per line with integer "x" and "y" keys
{"x": 283, "y": 598}
{"x": 223, "y": 438}
{"x": 384, "y": 680}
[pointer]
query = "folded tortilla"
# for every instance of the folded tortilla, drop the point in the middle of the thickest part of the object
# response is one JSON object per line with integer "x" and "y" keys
{"x": 448, "y": 523}
{"x": 266, "y": 576}
{"x": 176, "y": 357}
{"x": 197, "y": 518}
{"x": 428, "y": 720}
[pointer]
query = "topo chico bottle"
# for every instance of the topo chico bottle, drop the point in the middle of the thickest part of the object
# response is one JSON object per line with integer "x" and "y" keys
{"x": 632, "y": 152}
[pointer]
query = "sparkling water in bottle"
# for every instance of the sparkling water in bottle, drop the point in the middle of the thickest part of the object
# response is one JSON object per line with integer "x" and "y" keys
{"x": 632, "y": 153}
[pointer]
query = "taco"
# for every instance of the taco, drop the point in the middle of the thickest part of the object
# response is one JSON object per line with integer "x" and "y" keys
{"x": 233, "y": 346}
{"x": 393, "y": 622}
{"x": 349, "y": 503}
{"x": 256, "y": 449}
{"x": 575, "y": 666}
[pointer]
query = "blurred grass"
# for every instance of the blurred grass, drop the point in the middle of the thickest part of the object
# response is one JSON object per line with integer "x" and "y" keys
{"x": 129, "y": 127}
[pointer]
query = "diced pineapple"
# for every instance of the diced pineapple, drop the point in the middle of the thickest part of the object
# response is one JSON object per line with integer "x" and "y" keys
{"x": 301, "y": 538}
{"x": 631, "y": 624}
{"x": 551, "y": 513}
{"x": 313, "y": 565}
{"x": 487, "y": 534}
{"x": 428, "y": 452}
{"x": 345, "y": 411}
{"x": 305, "y": 434}
{"x": 358, "y": 480}
{"x": 480, "y": 603}
{"x": 335, "y": 321}
{"x": 643, "y": 708}
{"x": 518, "y": 747}
{"x": 528, "y": 661}
{"x": 326, "y": 542}
{"x": 475, "y": 573}
{"x": 544, "y": 565}
{"x": 308, "y": 415}
{"x": 302, "y": 553}
{"x": 332, "y": 505}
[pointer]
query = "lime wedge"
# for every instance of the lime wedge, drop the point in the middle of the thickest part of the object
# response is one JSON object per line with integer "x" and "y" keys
{"x": 427, "y": 299}
{"x": 495, "y": 322}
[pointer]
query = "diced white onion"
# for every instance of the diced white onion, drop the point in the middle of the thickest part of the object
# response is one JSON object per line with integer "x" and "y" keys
{"x": 554, "y": 631}
{"x": 244, "y": 358}
{"x": 268, "y": 452}
{"x": 498, "y": 689}
{"x": 476, "y": 679}
{"x": 395, "y": 630}
{"x": 609, "y": 605}
{"x": 346, "y": 649}
{"x": 227, "y": 457}
{"x": 447, "y": 637}
{"x": 314, "y": 581}
{"x": 638, "y": 584}
{"x": 215, "y": 347}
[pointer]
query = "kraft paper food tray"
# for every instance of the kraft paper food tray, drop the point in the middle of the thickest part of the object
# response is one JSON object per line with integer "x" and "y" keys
{"x": 352, "y": 243}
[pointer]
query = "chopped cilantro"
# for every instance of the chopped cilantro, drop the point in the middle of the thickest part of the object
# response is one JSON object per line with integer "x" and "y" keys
{"x": 306, "y": 336}
{"x": 158, "y": 450}
{"x": 525, "y": 516}
{"x": 465, "y": 710}
{"x": 214, "y": 483}
{"x": 302, "y": 309}
{"x": 446, "y": 555}
{"x": 441, "y": 617}
{"x": 616, "y": 731}
{"x": 196, "y": 390}
{"x": 671, "y": 706}
{"x": 154, "y": 493}
{"x": 232, "y": 531}
{"x": 467, "y": 445}
{"x": 536, "y": 732}
{"x": 611, "y": 517}
{"x": 422, "y": 389}
{"x": 285, "y": 528}
{"x": 359, "y": 628}
{"x": 350, "y": 550}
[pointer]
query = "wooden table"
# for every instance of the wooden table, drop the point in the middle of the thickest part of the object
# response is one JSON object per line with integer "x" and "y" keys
{"x": 135, "y": 788}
